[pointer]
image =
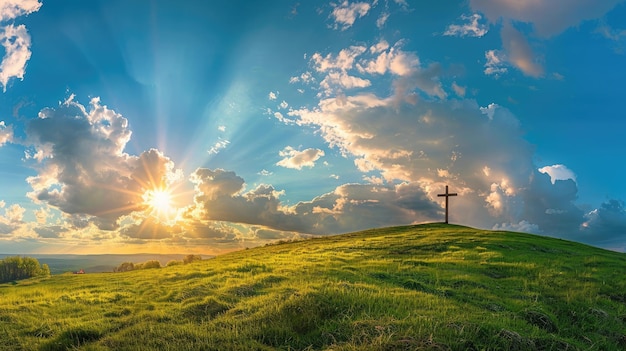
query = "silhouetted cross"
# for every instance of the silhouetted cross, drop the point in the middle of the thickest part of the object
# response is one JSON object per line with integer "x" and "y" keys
{"x": 447, "y": 195}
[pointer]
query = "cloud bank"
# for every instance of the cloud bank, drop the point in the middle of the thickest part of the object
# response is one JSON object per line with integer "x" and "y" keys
{"x": 15, "y": 39}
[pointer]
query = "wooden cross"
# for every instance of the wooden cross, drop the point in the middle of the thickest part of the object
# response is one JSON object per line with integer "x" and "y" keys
{"x": 447, "y": 195}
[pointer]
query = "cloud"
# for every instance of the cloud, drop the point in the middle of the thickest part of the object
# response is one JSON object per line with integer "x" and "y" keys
{"x": 12, "y": 219}
{"x": 305, "y": 78}
{"x": 518, "y": 51}
{"x": 606, "y": 225}
{"x": 379, "y": 47}
{"x": 471, "y": 29}
{"x": 342, "y": 70}
{"x": 272, "y": 95}
{"x": 297, "y": 159}
{"x": 522, "y": 226}
{"x": 220, "y": 197}
{"x": 16, "y": 42}
{"x": 496, "y": 63}
{"x": 458, "y": 89}
{"x": 393, "y": 60}
{"x": 11, "y": 9}
{"x": 15, "y": 39}
{"x": 342, "y": 80}
{"x": 617, "y": 36}
{"x": 548, "y": 17}
{"x": 82, "y": 169}
{"x": 346, "y": 13}
{"x": 558, "y": 172}
{"x": 382, "y": 19}
{"x": 6, "y": 133}
{"x": 218, "y": 146}
{"x": 344, "y": 60}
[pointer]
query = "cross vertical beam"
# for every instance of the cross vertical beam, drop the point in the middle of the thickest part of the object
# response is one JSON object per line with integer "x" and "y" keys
{"x": 447, "y": 195}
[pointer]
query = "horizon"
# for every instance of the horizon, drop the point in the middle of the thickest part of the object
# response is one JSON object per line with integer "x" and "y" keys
{"x": 206, "y": 128}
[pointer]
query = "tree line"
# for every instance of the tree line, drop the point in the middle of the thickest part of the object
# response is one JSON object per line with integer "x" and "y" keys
{"x": 17, "y": 268}
{"x": 130, "y": 266}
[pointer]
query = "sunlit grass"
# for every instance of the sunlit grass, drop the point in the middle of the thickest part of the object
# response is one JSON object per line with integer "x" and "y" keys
{"x": 410, "y": 288}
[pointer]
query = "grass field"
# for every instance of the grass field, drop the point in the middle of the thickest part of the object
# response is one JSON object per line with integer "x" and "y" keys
{"x": 426, "y": 287}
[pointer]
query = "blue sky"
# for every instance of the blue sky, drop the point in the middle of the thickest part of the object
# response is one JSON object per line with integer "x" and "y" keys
{"x": 204, "y": 127}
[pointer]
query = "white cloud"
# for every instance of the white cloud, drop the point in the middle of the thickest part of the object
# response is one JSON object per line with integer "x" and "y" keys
{"x": 343, "y": 61}
{"x": 14, "y": 213}
{"x": 342, "y": 80}
{"x": 221, "y": 128}
{"x": 16, "y": 42}
{"x": 15, "y": 39}
{"x": 346, "y": 13}
{"x": 297, "y": 159}
{"x": 12, "y": 220}
{"x": 279, "y": 116}
{"x": 471, "y": 29}
{"x": 558, "y": 172}
{"x": 522, "y": 226}
{"x": 11, "y": 9}
{"x": 272, "y": 95}
{"x": 548, "y": 17}
{"x": 218, "y": 146}
{"x": 395, "y": 61}
{"x": 305, "y": 78}
{"x": 496, "y": 63}
{"x": 83, "y": 170}
{"x": 382, "y": 19}
{"x": 6, "y": 133}
{"x": 283, "y": 105}
{"x": 379, "y": 47}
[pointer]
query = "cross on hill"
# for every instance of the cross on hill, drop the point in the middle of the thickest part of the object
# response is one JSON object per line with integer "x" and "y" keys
{"x": 447, "y": 195}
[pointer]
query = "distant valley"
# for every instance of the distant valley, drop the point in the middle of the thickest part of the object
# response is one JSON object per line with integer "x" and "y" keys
{"x": 96, "y": 263}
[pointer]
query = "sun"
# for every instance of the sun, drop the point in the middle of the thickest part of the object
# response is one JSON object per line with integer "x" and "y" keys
{"x": 160, "y": 202}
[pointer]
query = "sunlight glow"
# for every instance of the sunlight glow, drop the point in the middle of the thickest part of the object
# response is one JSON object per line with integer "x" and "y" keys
{"x": 160, "y": 202}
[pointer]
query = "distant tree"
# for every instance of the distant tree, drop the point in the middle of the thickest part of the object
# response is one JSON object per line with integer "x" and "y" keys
{"x": 45, "y": 270}
{"x": 16, "y": 268}
{"x": 150, "y": 264}
{"x": 124, "y": 267}
{"x": 174, "y": 263}
{"x": 192, "y": 258}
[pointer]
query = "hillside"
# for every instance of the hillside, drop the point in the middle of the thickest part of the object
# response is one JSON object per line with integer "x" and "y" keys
{"x": 434, "y": 287}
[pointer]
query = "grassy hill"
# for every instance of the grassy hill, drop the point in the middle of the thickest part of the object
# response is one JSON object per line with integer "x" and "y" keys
{"x": 426, "y": 287}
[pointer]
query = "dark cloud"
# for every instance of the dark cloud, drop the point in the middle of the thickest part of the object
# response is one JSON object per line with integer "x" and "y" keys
{"x": 606, "y": 225}
{"x": 350, "y": 207}
{"x": 50, "y": 232}
{"x": 551, "y": 206}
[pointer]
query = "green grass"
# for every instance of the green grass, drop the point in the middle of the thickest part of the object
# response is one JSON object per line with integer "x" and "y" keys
{"x": 427, "y": 287}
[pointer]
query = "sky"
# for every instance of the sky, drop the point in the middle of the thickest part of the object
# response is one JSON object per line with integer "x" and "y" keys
{"x": 211, "y": 126}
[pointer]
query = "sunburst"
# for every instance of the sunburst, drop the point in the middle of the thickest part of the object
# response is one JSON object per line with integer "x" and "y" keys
{"x": 160, "y": 202}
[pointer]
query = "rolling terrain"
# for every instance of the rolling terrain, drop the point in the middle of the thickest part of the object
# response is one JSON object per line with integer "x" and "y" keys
{"x": 424, "y": 287}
